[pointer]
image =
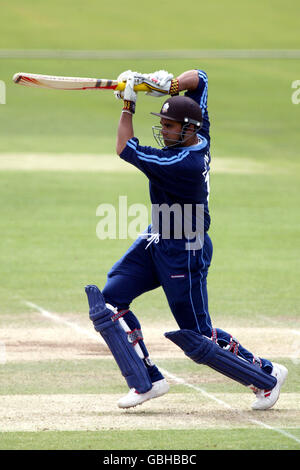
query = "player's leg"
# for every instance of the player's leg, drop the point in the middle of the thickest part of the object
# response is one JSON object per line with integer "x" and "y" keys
{"x": 183, "y": 276}
{"x": 227, "y": 341}
{"x": 203, "y": 350}
{"x": 190, "y": 305}
{"x": 186, "y": 291}
{"x": 131, "y": 276}
{"x": 159, "y": 385}
{"x": 106, "y": 322}
{"x": 134, "y": 332}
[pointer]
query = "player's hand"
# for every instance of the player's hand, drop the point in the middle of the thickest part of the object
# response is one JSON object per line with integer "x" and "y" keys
{"x": 123, "y": 78}
{"x": 160, "y": 83}
{"x": 129, "y": 93}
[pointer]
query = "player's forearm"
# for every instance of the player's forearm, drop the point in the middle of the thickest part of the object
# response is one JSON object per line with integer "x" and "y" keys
{"x": 125, "y": 131}
{"x": 188, "y": 80}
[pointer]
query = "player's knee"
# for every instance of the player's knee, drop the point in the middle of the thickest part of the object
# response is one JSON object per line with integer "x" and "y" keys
{"x": 111, "y": 297}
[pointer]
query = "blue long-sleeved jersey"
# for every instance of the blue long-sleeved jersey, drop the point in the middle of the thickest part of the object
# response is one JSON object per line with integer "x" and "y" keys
{"x": 178, "y": 175}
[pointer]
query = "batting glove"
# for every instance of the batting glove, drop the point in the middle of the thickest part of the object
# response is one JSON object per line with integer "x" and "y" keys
{"x": 123, "y": 78}
{"x": 161, "y": 83}
{"x": 130, "y": 95}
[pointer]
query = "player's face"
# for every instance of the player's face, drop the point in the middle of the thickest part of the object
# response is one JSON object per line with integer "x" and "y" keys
{"x": 171, "y": 131}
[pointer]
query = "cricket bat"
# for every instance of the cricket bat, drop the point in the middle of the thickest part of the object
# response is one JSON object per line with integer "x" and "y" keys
{"x": 71, "y": 83}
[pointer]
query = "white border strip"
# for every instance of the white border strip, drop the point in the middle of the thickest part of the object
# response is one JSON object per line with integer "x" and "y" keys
{"x": 152, "y": 55}
{"x": 58, "y": 319}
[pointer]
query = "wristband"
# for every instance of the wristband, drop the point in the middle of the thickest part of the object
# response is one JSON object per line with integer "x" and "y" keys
{"x": 126, "y": 111}
{"x": 129, "y": 106}
{"x": 174, "y": 88}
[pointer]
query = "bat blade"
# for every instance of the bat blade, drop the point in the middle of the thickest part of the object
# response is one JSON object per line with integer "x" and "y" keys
{"x": 70, "y": 83}
{"x": 63, "y": 83}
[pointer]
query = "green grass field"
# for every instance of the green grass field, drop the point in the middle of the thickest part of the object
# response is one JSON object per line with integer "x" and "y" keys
{"x": 58, "y": 384}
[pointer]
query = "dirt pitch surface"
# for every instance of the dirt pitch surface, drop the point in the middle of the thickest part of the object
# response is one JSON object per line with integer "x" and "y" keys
{"x": 172, "y": 411}
{"x": 75, "y": 338}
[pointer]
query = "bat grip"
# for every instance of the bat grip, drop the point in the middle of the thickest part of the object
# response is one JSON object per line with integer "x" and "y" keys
{"x": 140, "y": 87}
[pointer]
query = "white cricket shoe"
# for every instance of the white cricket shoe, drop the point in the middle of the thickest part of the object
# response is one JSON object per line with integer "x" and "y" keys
{"x": 267, "y": 398}
{"x": 133, "y": 398}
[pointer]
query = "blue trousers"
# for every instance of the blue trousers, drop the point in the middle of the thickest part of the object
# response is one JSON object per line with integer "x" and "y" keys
{"x": 182, "y": 273}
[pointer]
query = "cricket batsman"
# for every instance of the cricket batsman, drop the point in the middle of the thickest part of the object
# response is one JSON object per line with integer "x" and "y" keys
{"x": 178, "y": 174}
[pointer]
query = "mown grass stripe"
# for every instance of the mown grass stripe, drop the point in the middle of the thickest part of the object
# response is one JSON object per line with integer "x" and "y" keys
{"x": 151, "y": 55}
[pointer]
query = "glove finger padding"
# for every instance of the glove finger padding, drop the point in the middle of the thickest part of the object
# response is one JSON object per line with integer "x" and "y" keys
{"x": 160, "y": 83}
{"x": 129, "y": 93}
{"x": 123, "y": 77}
{"x": 119, "y": 94}
{"x": 161, "y": 76}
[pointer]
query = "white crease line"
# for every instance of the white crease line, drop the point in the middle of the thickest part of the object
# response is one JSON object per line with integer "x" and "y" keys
{"x": 179, "y": 380}
{"x": 58, "y": 319}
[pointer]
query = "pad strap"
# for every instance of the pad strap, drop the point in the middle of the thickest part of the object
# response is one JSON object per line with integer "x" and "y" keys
{"x": 118, "y": 315}
{"x": 135, "y": 336}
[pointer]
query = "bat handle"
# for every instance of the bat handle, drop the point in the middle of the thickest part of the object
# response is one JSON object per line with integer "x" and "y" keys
{"x": 140, "y": 87}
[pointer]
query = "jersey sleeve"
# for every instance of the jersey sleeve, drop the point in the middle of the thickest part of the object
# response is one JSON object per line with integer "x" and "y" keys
{"x": 154, "y": 163}
{"x": 200, "y": 94}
